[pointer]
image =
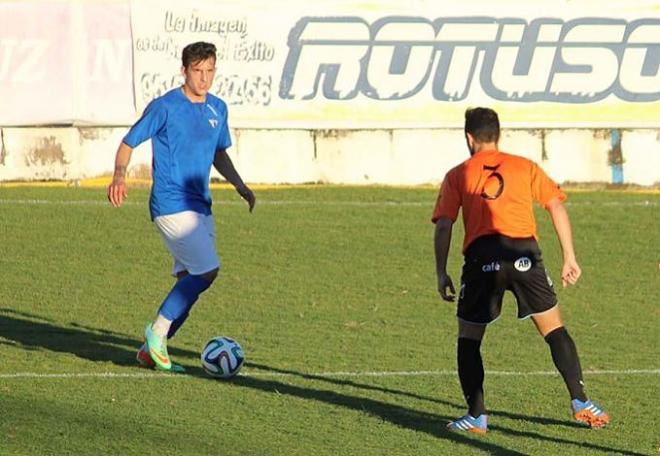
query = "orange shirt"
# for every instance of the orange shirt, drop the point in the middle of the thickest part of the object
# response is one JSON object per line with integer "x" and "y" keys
{"x": 496, "y": 191}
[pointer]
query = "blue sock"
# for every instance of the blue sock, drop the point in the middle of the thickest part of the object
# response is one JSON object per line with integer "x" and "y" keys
{"x": 181, "y": 298}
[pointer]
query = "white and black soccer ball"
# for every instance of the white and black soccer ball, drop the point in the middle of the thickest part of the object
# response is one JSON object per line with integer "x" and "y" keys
{"x": 222, "y": 357}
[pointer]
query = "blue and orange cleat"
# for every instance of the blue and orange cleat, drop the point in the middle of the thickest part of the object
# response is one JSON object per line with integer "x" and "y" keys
{"x": 590, "y": 414}
{"x": 468, "y": 423}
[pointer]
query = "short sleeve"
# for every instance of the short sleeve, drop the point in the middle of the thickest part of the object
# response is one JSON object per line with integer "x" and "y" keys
{"x": 153, "y": 119}
{"x": 449, "y": 199}
{"x": 224, "y": 138}
{"x": 544, "y": 189}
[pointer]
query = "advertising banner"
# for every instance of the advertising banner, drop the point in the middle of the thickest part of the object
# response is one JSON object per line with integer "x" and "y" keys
{"x": 36, "y": 64}
{"x": 66, "y": 62}
{"x": 416, "y": 64}
{"x": 105, "y": 72}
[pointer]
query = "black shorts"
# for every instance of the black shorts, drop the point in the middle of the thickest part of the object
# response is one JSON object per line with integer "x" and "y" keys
{"x": 496, "y": 263}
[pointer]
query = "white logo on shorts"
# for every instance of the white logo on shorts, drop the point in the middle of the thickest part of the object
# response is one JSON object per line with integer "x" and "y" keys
{"x": 492, "y": 267}
{"x": 213, "y": 122}
{"x": 461, "y": 293}
{"x": 523, "y": 264}
{"x": 547, "y": 276}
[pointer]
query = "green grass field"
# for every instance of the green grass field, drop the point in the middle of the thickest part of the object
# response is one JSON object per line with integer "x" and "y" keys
{"x": 331, "y": 293}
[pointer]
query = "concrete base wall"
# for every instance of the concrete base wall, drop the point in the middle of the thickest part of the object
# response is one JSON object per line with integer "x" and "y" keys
{"x": 387, "y": 157}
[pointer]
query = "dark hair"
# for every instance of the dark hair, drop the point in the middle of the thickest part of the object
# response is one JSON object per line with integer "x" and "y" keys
{"x": 195, "y": 52}
{"x": 483, "y": 124}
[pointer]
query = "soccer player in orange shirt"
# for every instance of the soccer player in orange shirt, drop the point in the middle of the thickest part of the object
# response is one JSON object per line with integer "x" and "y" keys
{"x": 496, "y": 192}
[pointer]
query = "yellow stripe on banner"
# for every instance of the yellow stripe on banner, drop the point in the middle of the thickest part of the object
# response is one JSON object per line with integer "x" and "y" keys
{"x": 86, "y": 183}
{"x": 35, "y": 184}
{"x": 101, "y": 182}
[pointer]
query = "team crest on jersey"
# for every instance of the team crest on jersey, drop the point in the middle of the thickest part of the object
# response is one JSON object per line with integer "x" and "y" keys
{"x": 523, "y": 264}
{"x": 213, "y": 122}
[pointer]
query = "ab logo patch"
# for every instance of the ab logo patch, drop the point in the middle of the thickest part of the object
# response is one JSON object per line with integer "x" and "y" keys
{"x": 523, "y": 264}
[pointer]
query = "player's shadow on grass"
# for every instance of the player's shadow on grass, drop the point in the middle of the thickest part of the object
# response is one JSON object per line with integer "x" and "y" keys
{"x": 398, "y": 415}
{"x": 414, "y": 420}
{"x": 32, "y": 332}
{"x": 344, "y": 382}
{"x": 535, "y": 419}
{"x": 351, "y": 383}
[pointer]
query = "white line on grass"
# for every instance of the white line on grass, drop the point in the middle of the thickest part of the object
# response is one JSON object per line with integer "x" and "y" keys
{"x": 37, "y": 202}
{"x": 251, "y": 373}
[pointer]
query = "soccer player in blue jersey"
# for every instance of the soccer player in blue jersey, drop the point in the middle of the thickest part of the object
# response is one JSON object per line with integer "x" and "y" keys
{"x": 189, "y": 133}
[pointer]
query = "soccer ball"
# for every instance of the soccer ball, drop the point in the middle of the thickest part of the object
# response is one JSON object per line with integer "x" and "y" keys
{"x": 222, "y": 357}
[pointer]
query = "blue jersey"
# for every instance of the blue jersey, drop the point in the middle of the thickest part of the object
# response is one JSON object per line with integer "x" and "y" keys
{"x": 185, "y": 137}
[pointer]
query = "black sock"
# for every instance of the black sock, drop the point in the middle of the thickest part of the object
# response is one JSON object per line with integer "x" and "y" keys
{"x": 565, "y": 356}
{"x": 471, "y": 375}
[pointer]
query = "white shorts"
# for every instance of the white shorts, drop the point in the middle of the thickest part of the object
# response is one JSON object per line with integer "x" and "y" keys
{"x": 190, "y": 238}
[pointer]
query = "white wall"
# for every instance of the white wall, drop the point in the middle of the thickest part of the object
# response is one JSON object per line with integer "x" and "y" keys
{"x": 578, "y": 155}
{"x": 641, "y": 155}
{"x": 388, "y": 157}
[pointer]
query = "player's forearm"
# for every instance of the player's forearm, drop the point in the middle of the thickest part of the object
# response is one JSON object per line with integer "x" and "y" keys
{"x": 562, "y": 226}
{"x": 122, "y": 159}
{"x": 226, "y": 168}
{"x": 442, "y": 241}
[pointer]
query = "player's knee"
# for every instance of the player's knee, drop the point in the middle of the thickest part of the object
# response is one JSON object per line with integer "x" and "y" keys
{"x": 548, "y": 321}
{"x": 210, "y": 276}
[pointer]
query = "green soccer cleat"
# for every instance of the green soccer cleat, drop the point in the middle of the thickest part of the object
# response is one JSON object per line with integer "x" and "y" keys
{"x": 144, "y": 360}
{"x": 157, "y": 349}
{"x": 178, "y": 369}
{"x": 175, "y": 369}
